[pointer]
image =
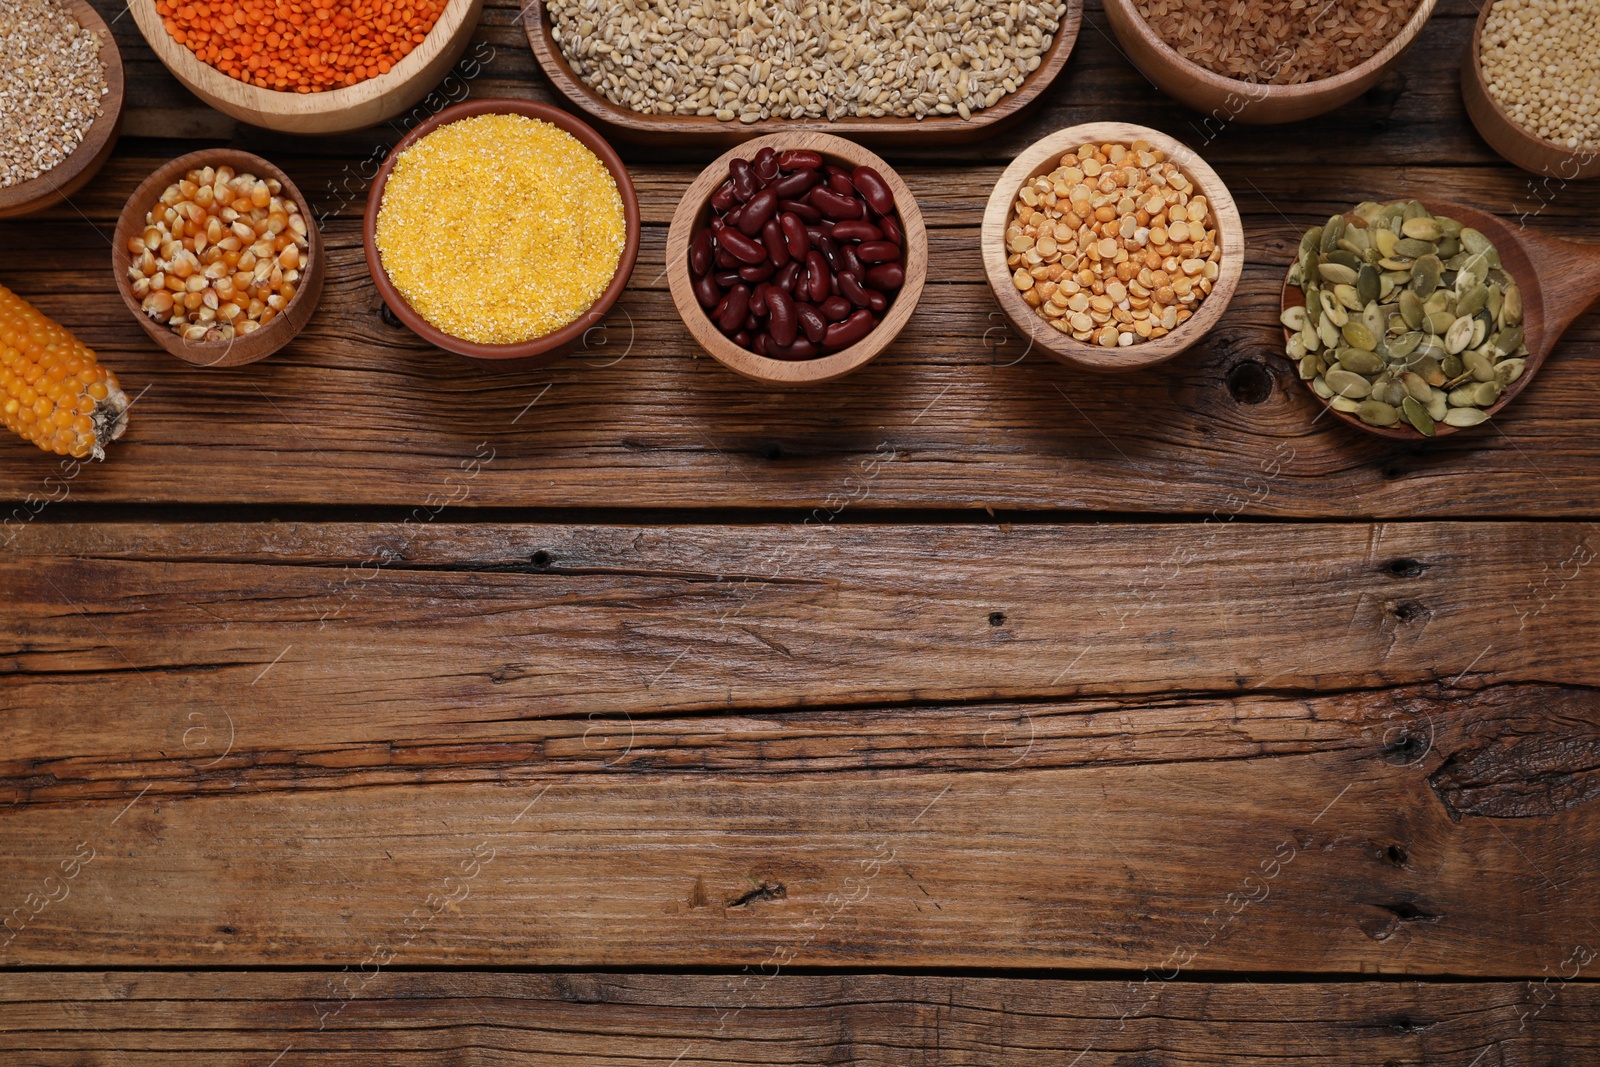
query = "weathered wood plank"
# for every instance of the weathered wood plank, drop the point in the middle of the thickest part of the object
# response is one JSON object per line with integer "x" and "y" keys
{"x": 258, "y": 788}
{"x": 698, "y": 1021}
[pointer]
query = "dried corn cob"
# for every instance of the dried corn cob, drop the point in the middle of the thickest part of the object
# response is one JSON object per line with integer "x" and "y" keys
{"x": 52, "y": 390}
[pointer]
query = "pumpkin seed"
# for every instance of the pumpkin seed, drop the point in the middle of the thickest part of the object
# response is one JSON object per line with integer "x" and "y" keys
{"x": 1417, "y": 415}
{"x": 1473, "y": 241}
{"x": 1507, "y": 341}
{"x": 1509, "y": 370}
{"x": 1368, "y": 284}
{"x": 1384, "y": 241}
{"x": 1342, "y": 257}
{"x": 1332, "y": 310}
{"x": 1425, "y": 275}
{"x": 1511, "y": 309}
{"x": 1349, "y": 297}
{"x": 1452, "y": 367}
{"x": 1345, "y": 404}
{"x": 1347, "y": 383}
{"x": 1480, "y": 366}
{"x": 1472, "y": 300}
{"x": 1438, "y": 323}
{"x": 1423, "y": 228}
{"x": 1464, "y": 417}
{"x": 1411, "y": 308}
{"x": 1377, "y": 413}
{"x": 1438, "y": 407}
{"x": 1404, "y": 345}
{"x": 1416, "y": 386}
{"x": 1360, "y": 361}
{"x": 1359, "y": 336}
{"x": 1486, "y": 393}
{"x": 1294, "y": 318}
{"x": 1320, "y": 387}
{"x": 1428, "y": 369}
{"x": 1336, "y": 274}
{"x": 1457, "y": 336}
{"x": 1331, "y": 232}
{"x": 1308, "y": 365}
{"x": 1411, "y": 248}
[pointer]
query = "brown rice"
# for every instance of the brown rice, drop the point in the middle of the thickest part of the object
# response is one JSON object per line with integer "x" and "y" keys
{"x": 1277, "y": 42}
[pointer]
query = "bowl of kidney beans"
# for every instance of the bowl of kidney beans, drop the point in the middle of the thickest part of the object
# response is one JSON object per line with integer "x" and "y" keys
{"x": 796, "y": 257}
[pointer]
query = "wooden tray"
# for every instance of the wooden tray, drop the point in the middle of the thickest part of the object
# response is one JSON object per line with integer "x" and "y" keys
{"x": 705, "y": 130}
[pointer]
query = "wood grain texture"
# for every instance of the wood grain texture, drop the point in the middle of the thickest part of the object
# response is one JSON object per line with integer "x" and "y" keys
{"x": 1042, "y": 157}
{"x": 729, "y": 1021}
{"x": 708, "y": 131}
{"x": 692, "y": 213}
{"x": 697, "y": 718}
{"x": 353, "y": 107}
{"x": 73, "y": 173}
{"x": 1232, "y": 100}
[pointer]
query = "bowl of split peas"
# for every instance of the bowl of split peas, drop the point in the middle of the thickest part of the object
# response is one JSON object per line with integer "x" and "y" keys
{"x": 502, "y": 230}
{"x": 309, "y": 67}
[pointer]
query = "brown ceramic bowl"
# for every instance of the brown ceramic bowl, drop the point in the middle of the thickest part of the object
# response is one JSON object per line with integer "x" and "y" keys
{"x": 540, "y": 350}
{"x": 1526, "y": 149}
{"x": 1232, "y": 100}
{"x": 694, "y": 210}
{"x": 72, "y": 173}
{"x": 250, "y": 347}
{"x": 1043, "y": 156}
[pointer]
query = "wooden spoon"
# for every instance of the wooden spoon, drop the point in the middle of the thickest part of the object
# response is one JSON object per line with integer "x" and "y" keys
{"x": 1559, "y": 280}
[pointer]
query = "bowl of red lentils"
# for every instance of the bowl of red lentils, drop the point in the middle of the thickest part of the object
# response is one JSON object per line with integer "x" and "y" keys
{"x": 312, "y": 66}
{"x": 1112, "y": 246}
{"x": 502, "y": 230}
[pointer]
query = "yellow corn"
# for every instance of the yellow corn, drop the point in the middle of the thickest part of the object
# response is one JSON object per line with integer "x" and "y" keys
{"x": 52, "y": 389}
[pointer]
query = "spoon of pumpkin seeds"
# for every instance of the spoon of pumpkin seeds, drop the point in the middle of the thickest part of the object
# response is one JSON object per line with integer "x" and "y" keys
{"x": 1404, "y": 318}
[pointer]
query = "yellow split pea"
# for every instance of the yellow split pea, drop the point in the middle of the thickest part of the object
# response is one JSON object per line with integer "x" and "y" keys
{"x": 500, "y": 229}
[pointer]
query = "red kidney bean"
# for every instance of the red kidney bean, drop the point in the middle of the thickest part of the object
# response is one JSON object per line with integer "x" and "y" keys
{"x": 839, "y": 182}
{"x": 835, "y": 309}
{"x": 706, "y": 291}
{"x": 850, "y": 289}
{"x": 726, "y": 279}
{"x": 742, "y": 339}
{"x": 815, "y": 234}
{"x": 801, "y": 349}
{"x": 759, "y": 345}
{"x": 780, "y": 317}
{"x": 872, "y": 186}
{"x": 878, "y": 252}
{"x": 777, "y": 247}
{"x": 800, "y": 159}
{"x": 849, "y": 263}
{"x": 734, "y": 308}
{"x": 886, "y": 277}
{"x": 732, "y": 218}
{"x": 835, "y": 207}
{"x": 805, "y": 211}
{"x": 744, "y": 180}
{"x": 794, "y": 234}
{"x": 846, "y": 333}
{"x": 722, "y": 305}
{"x": 793, "y": 185}
{"x": 722, "y": 199}
{"x": 855, "y": 230}
{"x": 755, "y": 214}
{"x": 700, "y": 253}
{"x": 765, "y": 165}
{"x": 751, "y": 323}
{"x": 811, "y": 321}
{"x": 817, "y": 277}
{"x": 757, "y": 272}
{"x": 785, "y": 278}
{"x": 758, "y": 299}
{"x": 830, "y": 252}
{"x": 741, "y": 247}
{"x": 724, "y": 258}
{"x": 891, "y": 229}
{"x": 877, "y": 303}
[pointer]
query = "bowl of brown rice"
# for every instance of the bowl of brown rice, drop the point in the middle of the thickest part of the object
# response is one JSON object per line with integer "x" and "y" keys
{"x": 1265, "y": 61}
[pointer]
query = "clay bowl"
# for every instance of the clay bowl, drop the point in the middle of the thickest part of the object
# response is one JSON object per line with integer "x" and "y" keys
{"x": 541, "y": 350}
{"x": 1042, "y": 157}
{"x": 1527, "y": 150}
{"x": 694, "y": 210}
{"x": 1232, "y": 100}
{"x": 355, "y": 107}
{"x": 250, "y": 347}
{"x": 1559, "y": 280}
{"x": 72, "y": 173}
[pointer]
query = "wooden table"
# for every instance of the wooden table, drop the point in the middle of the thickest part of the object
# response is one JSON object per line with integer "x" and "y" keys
{"x": 366, "y": 707}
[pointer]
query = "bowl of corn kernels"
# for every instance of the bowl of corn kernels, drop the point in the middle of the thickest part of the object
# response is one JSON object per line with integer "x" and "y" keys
{"x": 502, "y": 230}
{"x": 218, "y": 258}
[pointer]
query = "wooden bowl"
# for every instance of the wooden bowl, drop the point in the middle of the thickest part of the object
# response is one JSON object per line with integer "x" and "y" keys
{"x": 541, "y": 350}
{"x": 72, "y": 173}
{"x": 1232, "y": 100}
{"x": 708, "y": 131}
{"x": 240, "y": 350}
{"x": 354, "y": 107}
{"x": 1040, "y": 158}
{"x": 1527, "y": 150}
{"x": 693, "y": 212}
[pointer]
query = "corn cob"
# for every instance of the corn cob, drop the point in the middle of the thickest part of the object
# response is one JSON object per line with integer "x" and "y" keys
{"x": 52, "y": 389}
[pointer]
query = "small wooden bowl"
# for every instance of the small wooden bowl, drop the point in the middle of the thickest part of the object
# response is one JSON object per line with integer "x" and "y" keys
{"x": 708, "y": 131}
{"x": 1040, "y": 158}
{"x": 72, "y": 173}
{"x": 250, "y": 347}
{"x": 1232, "y": 100}
{"x": 693, "y": 212}
{"x": 1527, "y": 150}
{"x": 354, "y": 107}
{"x": 541, "y": 350}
